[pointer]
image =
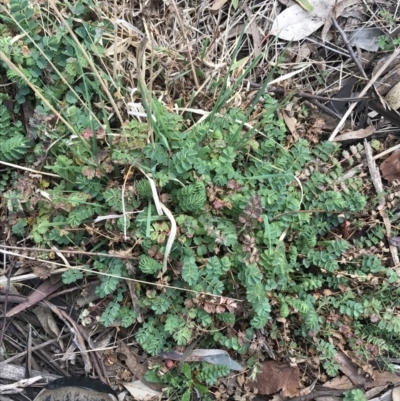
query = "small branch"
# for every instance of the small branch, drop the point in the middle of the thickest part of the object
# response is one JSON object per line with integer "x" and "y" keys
{"x": 349, "y": 48}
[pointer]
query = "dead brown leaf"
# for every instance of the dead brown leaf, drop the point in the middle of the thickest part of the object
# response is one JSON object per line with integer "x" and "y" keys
{"x": 390, "y": 167}
{"x": 217, "y": 5}
{"x": 275, "y": 376}
{"x": 349, "y": 369}
{"x": 383, "y": 379}
{"x": 359, "y": 134}
{"x": 36, "y": 296}
{"x": 42, "y": 271}
{"x": 291, "y": 123}
{"x": 47, "y": 321}
{"x": 136, "y": 367}
{"x": 339, "y": 383}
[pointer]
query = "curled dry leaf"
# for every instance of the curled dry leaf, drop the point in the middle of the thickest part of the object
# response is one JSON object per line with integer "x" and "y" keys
{"x": 275, "y": 376}
{"x": 37, "y": 295}
{"x": 390, "y": 167}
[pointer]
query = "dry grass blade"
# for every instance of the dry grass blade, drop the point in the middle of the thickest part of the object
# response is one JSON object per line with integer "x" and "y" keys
{"x": 28, "y": 169}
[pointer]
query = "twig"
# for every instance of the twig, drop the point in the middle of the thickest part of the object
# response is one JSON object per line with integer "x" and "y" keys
{"x": 35, "y": 348}
{"x": 28, "y": 360}
{"x": 349, "y": 48}
{"x": 74, "y": 329}
{"x": 17, "y": 372}
{"x": 324, "y": 108}
{"x": 316, "y": 394}
{"x": 363, "y": 92}
{"x": 305, "y": 95}
{"x": 327, "y": 47}
{"x": 18, "y": 387}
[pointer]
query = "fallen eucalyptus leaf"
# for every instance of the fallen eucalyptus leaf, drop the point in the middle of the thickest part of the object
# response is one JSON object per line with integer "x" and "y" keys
{"x": 295, "y": 23}
{"x": 139, "y": 391}
{"x": 213, "y": 356}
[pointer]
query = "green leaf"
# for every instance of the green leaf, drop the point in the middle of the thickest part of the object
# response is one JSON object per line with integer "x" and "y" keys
{"x": 186, "y": 371}
{"x": 110, "y": 314}
{"x": 149, "y": 265}
{"x": 71, "y": 276}
{"x": 190, "y": 271}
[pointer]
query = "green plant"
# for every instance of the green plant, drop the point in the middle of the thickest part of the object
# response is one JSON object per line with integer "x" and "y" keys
{"x": 387, "y": 17}
{"x": 183, "y": 381}
{"x": 354, "y": 395}
{"x": 13, "y": 143}
{"x": 261, "y": 221}
{"x": 387, "y": 43}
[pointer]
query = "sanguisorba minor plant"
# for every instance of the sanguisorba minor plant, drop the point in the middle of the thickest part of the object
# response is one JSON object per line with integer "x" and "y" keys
{"x": 259, "y": 222}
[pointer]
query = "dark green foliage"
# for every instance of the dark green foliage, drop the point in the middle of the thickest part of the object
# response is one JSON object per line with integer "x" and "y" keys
{"x": 143, "y": 188}
{"x": 72, "y": 275}
{"x": 354, "y": 395}
{"x": 192, "y": 197}
{"x": 20, "y": 227}
{"x": 13, "y": 144}
{"x": 211, "y": 373}
{"x": 149, "y": 265}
